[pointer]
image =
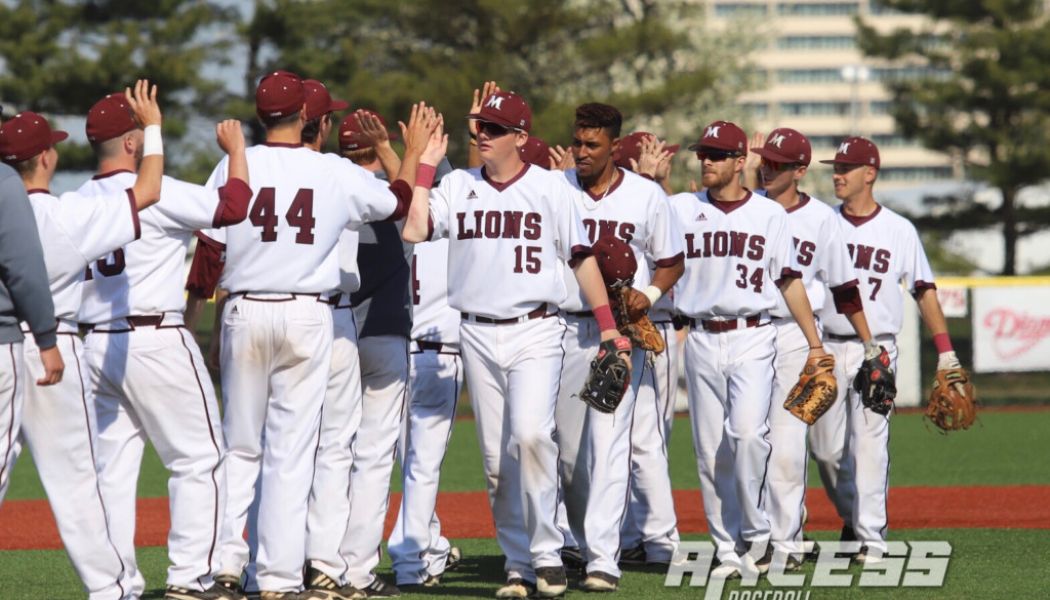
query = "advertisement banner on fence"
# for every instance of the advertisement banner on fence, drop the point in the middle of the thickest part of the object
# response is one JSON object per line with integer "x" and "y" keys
{"x": 1011, "y": 328}
{"x": 953, "y": 301}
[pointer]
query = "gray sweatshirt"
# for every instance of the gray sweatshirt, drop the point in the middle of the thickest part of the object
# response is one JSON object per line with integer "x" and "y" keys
{"x": 24, "y": 291}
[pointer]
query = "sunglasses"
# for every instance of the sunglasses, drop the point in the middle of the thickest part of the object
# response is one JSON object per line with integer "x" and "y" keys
{"x": 843, "y": 168}
{"x": 779, "y": 166}
{"x": 492, "y": 130}
{"x": 715, "y": 155}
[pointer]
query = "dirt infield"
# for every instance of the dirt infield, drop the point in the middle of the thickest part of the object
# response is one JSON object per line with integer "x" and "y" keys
{"x": 28, "y": 524}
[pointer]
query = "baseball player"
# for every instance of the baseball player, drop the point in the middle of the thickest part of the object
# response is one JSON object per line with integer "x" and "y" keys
{"x": 382, "y": 310}
{"x": 276, "y": 341}
{"x": 595, "y": 447}
{"x": 419, "y": 552}
{"x": 650, "y": 527}
{"x": 509, "y": 226}
{"x": 739, "y": 261}
{"x": 824, "y": 262}
{"x": 58, "y": 424}
{"x": 147, "y": 372}
{"x": 852, "y": 447}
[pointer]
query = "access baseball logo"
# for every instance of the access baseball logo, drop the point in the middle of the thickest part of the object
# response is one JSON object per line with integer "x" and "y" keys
{"x": 904, "y": 564}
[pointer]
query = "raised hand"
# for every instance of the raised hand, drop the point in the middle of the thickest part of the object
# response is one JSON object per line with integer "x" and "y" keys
{"x": 143, "y": 103}
{"x": 489, "y": 88}
{"x": 230, "y": 136}
{"x": 372, "y": 129}
{"x": 651, "y": 150}
{"x": 437, "y": 145}
{"x": 753, "y": 160}
{"x": 561, "y": 159}
{"x": 421, "y": 123}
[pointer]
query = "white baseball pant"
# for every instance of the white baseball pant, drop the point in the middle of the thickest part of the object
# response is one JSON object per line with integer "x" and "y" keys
{"x": 150, "y": 382}
{"x": 12, "y": 397}
{"x": 594, "y": 448}
{"x": 416, "y": 545}
{"x": 864, "y": 480}
{"x": 276, "y": 354}
{"x": 59, "y": 428}
{"x": 651, "y": 521}
{"x": 730, "y": 383}
{"x": 788, "y": 460}
{"x": 384, "y": 375}
{"x": 513, "y": 372}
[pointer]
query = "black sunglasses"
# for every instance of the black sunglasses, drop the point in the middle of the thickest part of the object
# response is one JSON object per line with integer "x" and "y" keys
{"x": 715, "y": 155}
{"x": 492, "y": 130}
{"x": 779, "y": 166}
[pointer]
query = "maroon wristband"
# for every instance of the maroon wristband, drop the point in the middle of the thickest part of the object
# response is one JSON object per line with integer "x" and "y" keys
{"x": 425, "y": 176}
{"x": 942, "y": 342}
{"x": 603, "y": 314}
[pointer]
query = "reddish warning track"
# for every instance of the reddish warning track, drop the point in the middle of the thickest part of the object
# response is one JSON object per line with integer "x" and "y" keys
{"x": 28, "y": 524}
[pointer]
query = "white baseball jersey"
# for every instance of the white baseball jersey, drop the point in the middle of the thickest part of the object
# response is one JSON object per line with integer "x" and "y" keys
{"x": 302, "y": 202}
{"x": 886, "y": 251}
{"x": 820, "y": 254}
{"x": 145, "y": 277}
{"x": 433, "y": 319}
{"x": 505, "y": 239}
{"x": 635, "y": 210}
{"x": 76, "y": 230}
{"x": 734, "y": 255}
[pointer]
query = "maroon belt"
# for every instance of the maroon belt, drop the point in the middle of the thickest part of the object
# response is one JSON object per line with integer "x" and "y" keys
{"x": 727, "y": 325}
{"x": 134, "y": 322}
{"x": 539, "y": 312}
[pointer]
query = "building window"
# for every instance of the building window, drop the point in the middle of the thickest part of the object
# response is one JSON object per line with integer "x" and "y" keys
{"x": 807, "y": 109}
{"x": 908, "y": 73}
{"x": 880, "y": 107}
{"x": 914, "y": 173}
{"x": 816, "y": 42}
{"x": 733, "y": 9}
{"x": 809, "y": 75}
{"x": 824, "y": 9}
{"x": 756, "y": 110}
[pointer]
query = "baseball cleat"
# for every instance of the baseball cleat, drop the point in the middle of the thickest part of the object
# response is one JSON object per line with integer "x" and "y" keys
{"x": 551, "y": 582}
{"x": 762, "y": 563}
{"x": 516, "y": 587}
{"x": 867, "y": 556}
{"x": 632, "y": 557}
{"x": 573, "y": 557}
{"x": 231, "y": 584}
{"x": 599, "y": 581}
{"x": 455, "y": 556}
{"x": 324, "y": 587}
{"x": 215, "y": 592}
{"x": 380, "y": 589}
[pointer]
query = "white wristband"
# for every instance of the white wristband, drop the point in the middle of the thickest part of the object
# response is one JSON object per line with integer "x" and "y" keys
{"x": 653, "y": 293}
{"x": 152, "y": 143}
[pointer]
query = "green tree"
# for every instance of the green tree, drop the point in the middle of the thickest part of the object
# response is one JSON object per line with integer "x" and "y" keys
{"x": 987, "y": 100}
{"x": 59, "y": 58}
{"x": 648, "y": 57}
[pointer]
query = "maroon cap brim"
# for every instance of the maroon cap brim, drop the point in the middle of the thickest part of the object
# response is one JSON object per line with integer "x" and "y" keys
{"x": 58, "y": 136}
{"x": 835, "y": 161}
{"x": 338, "y": 105}
{"x": 773, "y": 156}
{"x": 672, "y": 149}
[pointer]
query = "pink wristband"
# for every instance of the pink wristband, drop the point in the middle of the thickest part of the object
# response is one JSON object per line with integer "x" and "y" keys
{"x": 603, "y": 314}
{"x": 425, "y": 176}
{"x": 942, "y": 342}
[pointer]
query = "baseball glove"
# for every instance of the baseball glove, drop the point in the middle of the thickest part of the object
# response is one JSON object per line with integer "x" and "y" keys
{"x": 815, "y": 391}
{"x": 953, "y": 400}
{"x": 610, "y": 375}
{"x": 876, "y": 384}
{"x": 640, "y": 331}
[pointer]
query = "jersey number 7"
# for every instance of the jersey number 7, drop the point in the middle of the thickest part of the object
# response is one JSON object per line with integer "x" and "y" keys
{"x": 300, "y": 214}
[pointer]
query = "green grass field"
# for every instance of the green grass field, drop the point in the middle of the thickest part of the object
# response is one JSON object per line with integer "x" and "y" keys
{"x": 1005, "y": 448}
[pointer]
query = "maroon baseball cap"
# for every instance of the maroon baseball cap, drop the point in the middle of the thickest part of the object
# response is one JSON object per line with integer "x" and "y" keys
{"x": 25, "y": 135}
{"x": 350, "y": 137}
{"x": 785, "y": 145}
{"x": 722, "y": 135}
{"x": 507, "y": 109}
{"x": 536, "y": 152}
{"x": 110, "y": 117}
{"x": 631, "y": 147}
{"x": 279, "y": 94}
{"x": 319, "y": 101}
{"x": 615, "y": 259}
{"x": 856, "y": 151}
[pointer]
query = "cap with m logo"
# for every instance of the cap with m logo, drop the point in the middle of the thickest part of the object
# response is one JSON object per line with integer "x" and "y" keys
{"x": 786, "y": 145}
{"x": 722, "y": 135}
{"x": 856, "y": 151}
{"x": 507, "y": 109}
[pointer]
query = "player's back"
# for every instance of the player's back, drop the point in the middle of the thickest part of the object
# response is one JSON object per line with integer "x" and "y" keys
{"x": 75, "y": 231}
{"x": 302, "y": 202}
